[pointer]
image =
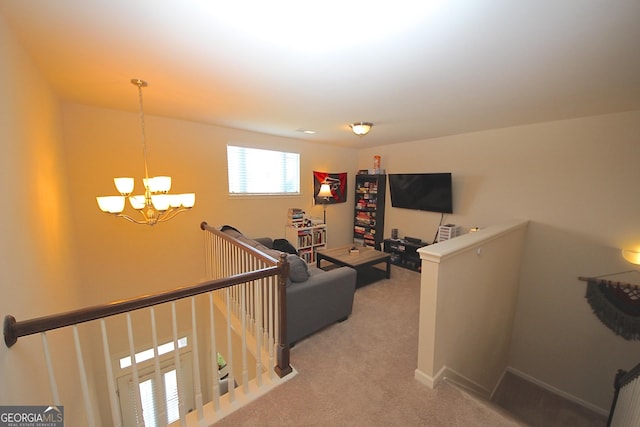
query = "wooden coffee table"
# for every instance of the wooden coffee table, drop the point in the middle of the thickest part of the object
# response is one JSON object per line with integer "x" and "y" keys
{"x": 363, "y": 262}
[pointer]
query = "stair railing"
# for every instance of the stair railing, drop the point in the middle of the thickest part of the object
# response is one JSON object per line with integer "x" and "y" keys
{"x": 625, "y": 408}
{"x": 259, "y": 280}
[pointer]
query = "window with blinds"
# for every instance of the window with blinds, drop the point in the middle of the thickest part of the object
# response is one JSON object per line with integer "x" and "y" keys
{"x": 149, "y": 396}
{"x": 149, "y": 391}
{"x": 254, "y": 171}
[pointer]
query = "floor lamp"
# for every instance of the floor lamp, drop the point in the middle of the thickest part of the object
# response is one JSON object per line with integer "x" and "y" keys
{"x": 325, "y": 194}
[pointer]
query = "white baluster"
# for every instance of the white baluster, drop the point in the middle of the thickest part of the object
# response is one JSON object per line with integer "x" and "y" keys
{"x": 258, "y": 295}
{"x": 231, "y": 382}
{"x": 52, "y": 378}
{"x": 176, "y": 358}
{"x": 111, "y": 387}
{"x": 634, "y": 394}
{"x": 88, "y": 407}
{"x": 134, "y": 374}
{"x": 243, "y": 308}
{"x": 214, "y": 355}
{"x": 160, "y": 392}
{"x": 196, "y": 361}
{"x": 272, "y": 327}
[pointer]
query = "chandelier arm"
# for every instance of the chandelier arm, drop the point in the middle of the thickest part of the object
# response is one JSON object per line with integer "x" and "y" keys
{"x": 171, "y": 213}
{"x": 128, "y": 218}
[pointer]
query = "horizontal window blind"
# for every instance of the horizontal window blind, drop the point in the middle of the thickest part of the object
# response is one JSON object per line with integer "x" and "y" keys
{"x": 254, "y": 171}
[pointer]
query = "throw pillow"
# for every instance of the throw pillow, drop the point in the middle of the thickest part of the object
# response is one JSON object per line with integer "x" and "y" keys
{"x": 283, "y": 245}
{"x": 231, "y": 231}
{"x": 298, "y": 270}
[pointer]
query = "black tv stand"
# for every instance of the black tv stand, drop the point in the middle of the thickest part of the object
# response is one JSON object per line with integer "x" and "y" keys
{"x": 404, "y": 253}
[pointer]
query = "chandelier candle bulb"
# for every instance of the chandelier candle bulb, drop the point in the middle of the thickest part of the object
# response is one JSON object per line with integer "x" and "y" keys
{"x": 137, "y": 202}
{"x": 188, "y": 199}
{"x": 161, "y": 201}
{"x": 124, "y": 185}
{"x": 111, "y": 204}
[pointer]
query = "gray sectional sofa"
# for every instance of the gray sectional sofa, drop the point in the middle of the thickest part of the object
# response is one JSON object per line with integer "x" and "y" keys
{"x": 315, "y": 298}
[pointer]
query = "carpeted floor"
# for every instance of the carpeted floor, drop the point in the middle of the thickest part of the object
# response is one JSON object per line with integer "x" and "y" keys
{"x": 361, "y": 372}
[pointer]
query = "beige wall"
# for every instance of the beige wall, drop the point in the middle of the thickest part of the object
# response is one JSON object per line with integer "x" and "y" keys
{"x": 471, "y": 285}
{"x": 120, "y": 259}
{"x": 36, "y": 262}
{"x": 575, "y": 180}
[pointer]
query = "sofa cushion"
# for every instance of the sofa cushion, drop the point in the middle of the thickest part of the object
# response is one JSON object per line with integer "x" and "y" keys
{"x": 283, "y": 245}
{"x": 298, "y": 270}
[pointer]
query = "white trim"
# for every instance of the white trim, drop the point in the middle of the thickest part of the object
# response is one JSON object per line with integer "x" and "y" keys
{"x": 118, "y": 371}
{"x": 470, "y": 241}
{"x": 241, "y": 399}
{"x": 558, "y": 392}
{"x": 454, "y": 377}
{"x": 425, "y": 379}
{"x": 495, "y": 388}
{"x": 466, "y": 383}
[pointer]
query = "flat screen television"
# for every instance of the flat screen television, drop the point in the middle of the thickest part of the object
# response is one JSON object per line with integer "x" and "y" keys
{"x": 422, "y": 191}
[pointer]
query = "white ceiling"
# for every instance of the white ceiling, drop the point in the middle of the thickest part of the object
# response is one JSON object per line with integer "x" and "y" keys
{"x": 416, "y": 69}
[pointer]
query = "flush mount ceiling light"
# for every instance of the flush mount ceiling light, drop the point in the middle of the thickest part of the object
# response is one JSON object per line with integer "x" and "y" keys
{"x": 632, "y": 256}
{"x": 156, "y": 204}
{"x": 361, "y": 128}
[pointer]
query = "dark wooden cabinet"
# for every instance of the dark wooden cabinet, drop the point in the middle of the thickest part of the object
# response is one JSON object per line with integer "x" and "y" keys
{"x": 404, "y": 253}
{"x": 368, "y": 222}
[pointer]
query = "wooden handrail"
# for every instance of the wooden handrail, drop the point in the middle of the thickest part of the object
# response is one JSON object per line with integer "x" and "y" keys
{"x": 15, "y": 329}
{"x": 283, "y": 366}
{"x": 255, "y": 252}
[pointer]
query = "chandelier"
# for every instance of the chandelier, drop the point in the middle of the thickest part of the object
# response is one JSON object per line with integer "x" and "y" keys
{"x": 156, "y": 204}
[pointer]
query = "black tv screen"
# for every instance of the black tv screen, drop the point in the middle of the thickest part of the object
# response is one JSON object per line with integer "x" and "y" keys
{"x": 422, "y": 191}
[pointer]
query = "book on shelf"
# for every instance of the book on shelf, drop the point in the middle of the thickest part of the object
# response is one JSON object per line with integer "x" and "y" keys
{"x": 295, "y": 217}
{"x": 371, "y": 172}
{"x": 306, "y": 255}
{"x": 318, "y": 236}
{"x": 359, "y": 229}
{"x": 304, "y": 238}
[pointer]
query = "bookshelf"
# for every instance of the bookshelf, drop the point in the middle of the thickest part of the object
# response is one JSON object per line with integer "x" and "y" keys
{"x": 368, "y": 221}
{"x": 307, "y": 240}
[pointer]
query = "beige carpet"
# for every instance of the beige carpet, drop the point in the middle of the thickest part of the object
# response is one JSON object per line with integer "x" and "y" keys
{"x": 361, "y": 372}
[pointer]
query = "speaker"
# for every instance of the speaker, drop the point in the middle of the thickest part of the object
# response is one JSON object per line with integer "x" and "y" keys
{"x": 394, "y": 233}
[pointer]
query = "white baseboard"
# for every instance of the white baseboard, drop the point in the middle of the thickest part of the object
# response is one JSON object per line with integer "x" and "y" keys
{"x": 495, "y": 388}
{"x": 466, "y": 383}
{"x": 427, "y": 380}
{"x": 455, "y": 378}
{"x": 558, "y": 392}
{"x": 470, "y": 385}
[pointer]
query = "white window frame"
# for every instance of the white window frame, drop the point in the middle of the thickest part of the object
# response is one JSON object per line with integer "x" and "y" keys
{"x": 146, "y": 371}
{"x": 262, "y": 172}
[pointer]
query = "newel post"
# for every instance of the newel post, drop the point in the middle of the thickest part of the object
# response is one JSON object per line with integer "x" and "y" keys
{"x": 283, "y": 367}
